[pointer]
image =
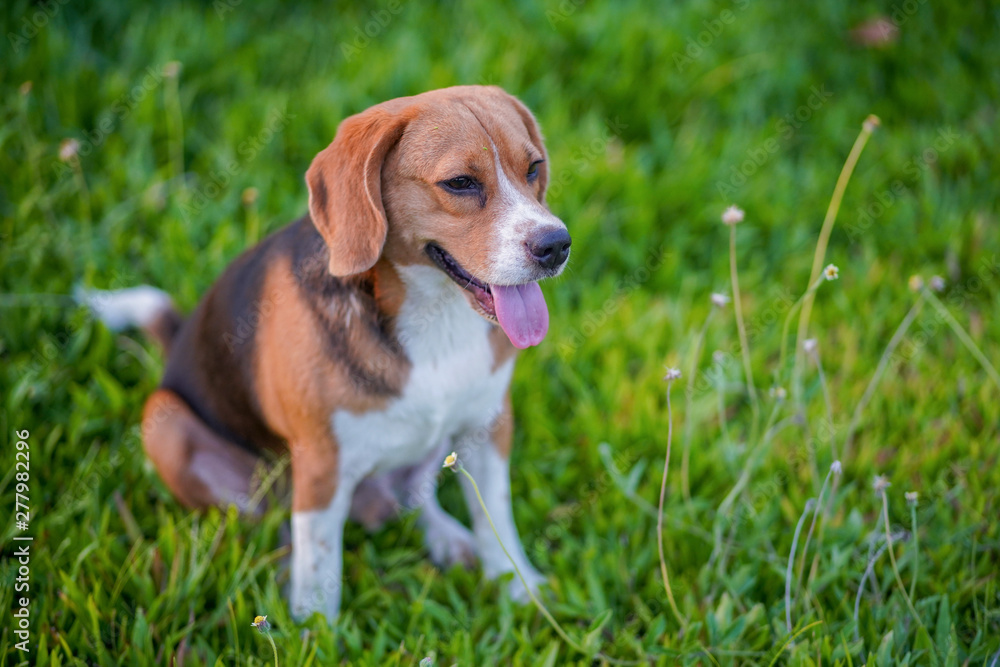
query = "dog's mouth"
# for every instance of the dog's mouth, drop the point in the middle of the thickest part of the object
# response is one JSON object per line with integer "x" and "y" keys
{"x": 520, "y": 310}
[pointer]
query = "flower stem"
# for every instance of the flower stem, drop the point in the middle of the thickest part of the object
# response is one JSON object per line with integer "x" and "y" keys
{"x": 812, "y": 525}
{"x": 828, "y": 403}
{"x": 916, "y": 549}
{"x": 872, "y": 558}
{"x": 824, "y": 238}
{"x": 748, "y": 468}
{"x": 688, "y": 403}
{"x": 659, "y": 515}
{"x": 810, "y": 504}
{"x": 892, "y": 559}
{"x": 788, "y": 321}
{"x": 273, "y": 648}
{"x": 744, "y": 342}
{"x": 897, "y": 337}
{"x": 545, "y": 612}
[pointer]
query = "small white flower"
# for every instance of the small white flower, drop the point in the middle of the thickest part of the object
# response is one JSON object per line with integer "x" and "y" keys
{"x": 831, "y": 272}
{"x": 732, "y": 215}
{"x": 779, "y": 393}
{"x": 937, "y": 283}
{"x": 719, "y": 299}
{"x": 260, "y": 622}
{"x": 451, "y": 461}
{"x": 672, "y": 374}
{"x": 836, "y": 468}
{"x": 881, "y": 483}
{"x": 809, "y": 345}
{"x": 68, "y": 149}
{"x": 916, "y": 283}
{"x": 911, "y": 497}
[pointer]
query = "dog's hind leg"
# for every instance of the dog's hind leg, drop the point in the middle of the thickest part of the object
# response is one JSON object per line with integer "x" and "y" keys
{"x": 201, "y": 468}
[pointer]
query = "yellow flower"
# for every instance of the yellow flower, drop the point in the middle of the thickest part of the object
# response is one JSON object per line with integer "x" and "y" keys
{"x": 916, "y": 283}
{"x": 451, "y": 461}
{"x": 250, "y": 196}
{"x": 260, "y": 622}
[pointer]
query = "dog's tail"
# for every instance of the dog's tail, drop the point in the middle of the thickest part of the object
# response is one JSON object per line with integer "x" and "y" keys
{"x": 145, "y": 307}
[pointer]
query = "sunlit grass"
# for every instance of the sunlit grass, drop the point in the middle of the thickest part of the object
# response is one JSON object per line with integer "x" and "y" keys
{"x": 644, "y": 156}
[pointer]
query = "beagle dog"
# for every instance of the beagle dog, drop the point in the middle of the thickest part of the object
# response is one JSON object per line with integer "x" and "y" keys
{"x": 370, "y": 338}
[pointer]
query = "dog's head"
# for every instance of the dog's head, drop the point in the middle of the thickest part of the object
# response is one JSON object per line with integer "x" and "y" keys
{"x": 453, "y": 178}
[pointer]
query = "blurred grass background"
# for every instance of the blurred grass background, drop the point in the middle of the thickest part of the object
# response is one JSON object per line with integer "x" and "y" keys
{"x": 657, "y": 117}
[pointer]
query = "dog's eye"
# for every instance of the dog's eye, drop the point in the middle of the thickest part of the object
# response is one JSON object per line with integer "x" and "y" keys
{"x": 461, "y": 183}
{"x": 533, "y": 169}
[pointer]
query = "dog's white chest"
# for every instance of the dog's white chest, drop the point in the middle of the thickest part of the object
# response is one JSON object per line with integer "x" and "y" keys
{"x": 452, "y": 387}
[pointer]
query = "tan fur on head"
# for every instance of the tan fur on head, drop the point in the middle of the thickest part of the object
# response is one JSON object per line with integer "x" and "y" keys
{"x": 384, "y": 164}
{"x": 345, "y": 189}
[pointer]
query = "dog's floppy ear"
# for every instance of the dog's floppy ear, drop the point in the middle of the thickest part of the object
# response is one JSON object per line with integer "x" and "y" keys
{"x": 345, "y": 189}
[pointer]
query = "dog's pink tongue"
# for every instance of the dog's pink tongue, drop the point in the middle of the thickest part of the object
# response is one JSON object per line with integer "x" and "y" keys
{"x": 522, "y": 313}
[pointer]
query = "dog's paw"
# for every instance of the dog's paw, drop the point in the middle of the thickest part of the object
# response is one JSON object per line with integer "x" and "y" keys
{"x": 310, "y": 595}
{"x": 534, "y": 579}
{"x": 450, "y": 543}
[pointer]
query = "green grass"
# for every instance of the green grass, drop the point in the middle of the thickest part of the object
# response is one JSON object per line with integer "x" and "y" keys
{"x": 644, "y": 147}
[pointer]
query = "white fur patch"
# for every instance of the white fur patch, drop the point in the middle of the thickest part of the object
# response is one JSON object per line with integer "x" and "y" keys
{"x": 522, "y": 217}
{"x": 451, "y": 388}
{"x": 120, "y": 309}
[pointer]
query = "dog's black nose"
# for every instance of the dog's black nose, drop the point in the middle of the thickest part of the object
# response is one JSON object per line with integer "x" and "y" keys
{"x": 550, "y": 249}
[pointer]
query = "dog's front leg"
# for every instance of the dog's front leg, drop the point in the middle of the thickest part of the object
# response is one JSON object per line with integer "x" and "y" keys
{"x": 321, "y": 501}
{"x": 486, "y": 455}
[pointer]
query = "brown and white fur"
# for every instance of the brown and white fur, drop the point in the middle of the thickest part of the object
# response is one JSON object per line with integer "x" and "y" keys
{"x": 346, "y": 340}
